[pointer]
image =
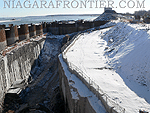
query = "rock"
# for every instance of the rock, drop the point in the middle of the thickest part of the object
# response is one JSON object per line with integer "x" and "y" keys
{"x": 37, "y": 111}
{"x": 66, "y": 39}
{"x": 22, "y": 108}
{"x": 10, "y": 111}
{"x": 42, "y": 107}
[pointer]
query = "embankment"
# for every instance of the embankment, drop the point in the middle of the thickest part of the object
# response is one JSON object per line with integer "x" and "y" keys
{"x": 75, "y": 102}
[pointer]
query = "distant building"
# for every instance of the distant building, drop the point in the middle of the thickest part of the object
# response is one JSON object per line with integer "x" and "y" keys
{"x": 109, "y": 10}
{"x": 146, "y": 17}
{"x": 137, "y": 17}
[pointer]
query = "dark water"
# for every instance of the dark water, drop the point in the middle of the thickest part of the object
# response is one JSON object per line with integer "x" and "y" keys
{"x": 38, "y": 19}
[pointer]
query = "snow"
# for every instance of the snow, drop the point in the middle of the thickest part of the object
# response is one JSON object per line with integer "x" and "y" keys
{"x": 117, "y": 59}
{"x": 77, "y": 83}
{"x": 48, "y": 53}
{"x": 90, "y": 19}
{"x": 49, "y": 35}
{"x": 2, "y": 21}
{"x": 106, "y": 17}
{"x": 74, "y": 94}
{"x": 109, "y": 24}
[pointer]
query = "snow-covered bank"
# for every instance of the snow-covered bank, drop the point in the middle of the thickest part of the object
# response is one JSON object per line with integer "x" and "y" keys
{"x": 79, "y": 89}
{"x": 128, "y": 52}
{"x": 2, "y": 21}
{"x": 117, "y": 59}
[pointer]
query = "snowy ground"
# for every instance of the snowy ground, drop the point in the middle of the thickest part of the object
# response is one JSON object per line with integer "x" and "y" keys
{"x": 118, "y": 60}
{"x": 106, "y": 17}
{"x": 77, "y": 83}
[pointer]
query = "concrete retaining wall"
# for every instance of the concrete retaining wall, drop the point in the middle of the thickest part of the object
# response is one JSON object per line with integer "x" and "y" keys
{"x": 67, "y": 30}
{"x": 17, "y": 65}
{"x": 14, "y": 33}
{"x": 54, "y": 30}
{"x": 80, "y": 105}
{"x": 57, "y": 28}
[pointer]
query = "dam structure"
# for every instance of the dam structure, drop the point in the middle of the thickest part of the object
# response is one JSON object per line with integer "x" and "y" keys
{"x": 32, "y": 78}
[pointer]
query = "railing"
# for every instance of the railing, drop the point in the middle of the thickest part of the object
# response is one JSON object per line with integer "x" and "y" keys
{"x": 110, "y": 105}
{"x": 69, "y": 42}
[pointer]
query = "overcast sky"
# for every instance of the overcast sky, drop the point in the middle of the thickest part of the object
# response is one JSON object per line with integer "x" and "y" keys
{"x": 33, "y": 7}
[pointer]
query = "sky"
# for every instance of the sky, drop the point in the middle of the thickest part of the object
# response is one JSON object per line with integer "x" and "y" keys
{"x": 22, "y": 8}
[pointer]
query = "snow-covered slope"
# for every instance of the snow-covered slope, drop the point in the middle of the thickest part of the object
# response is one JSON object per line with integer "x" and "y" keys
{"x": 50, "y": 50}
{"x": 106, "y": 17}
{"x": 128, "y": 52}
{"x": 118, "y": 60}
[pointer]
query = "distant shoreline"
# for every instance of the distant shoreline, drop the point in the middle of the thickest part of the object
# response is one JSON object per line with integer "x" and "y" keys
{"x": 57, "y": 15}
{"x": 68, "y": 15}
{"x": 75, "y": 15}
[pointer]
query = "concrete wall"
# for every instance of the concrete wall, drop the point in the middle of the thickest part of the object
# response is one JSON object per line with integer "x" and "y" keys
{"x": 14, "y": 34}
{"x": 80, "y": 105}
{"x": 54, "y": 30}
{"x": 57, "y": 28}
{"x": 67, "y": 30}
{"x": 17, "y": 65}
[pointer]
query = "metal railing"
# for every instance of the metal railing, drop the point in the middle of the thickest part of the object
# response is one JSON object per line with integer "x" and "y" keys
{"x": 110, "y": 105}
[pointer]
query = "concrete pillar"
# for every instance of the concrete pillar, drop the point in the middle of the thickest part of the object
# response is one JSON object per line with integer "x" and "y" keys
{"x": 12, "y": 35}
{"x": 2, "y": 26}
{"x": 39, "y": 30}
{"x": 64, "y": 30}
{"x": 32, "y": 30}
{"x": 48, "y": 27}
{"x": 23, "y": 32}
{"x": 61, "y": 30}
{"x": 76, "y": 25}
{"x": 92, "y": 24}
{"x": 3, "y": 42}
{"x": 44, "y": 27}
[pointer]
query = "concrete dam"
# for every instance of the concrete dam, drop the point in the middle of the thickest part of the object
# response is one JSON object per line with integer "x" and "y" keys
{"x": 32, "y": 79}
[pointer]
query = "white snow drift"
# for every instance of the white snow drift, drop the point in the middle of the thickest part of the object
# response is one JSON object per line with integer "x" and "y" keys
{"x": 118, "y": 59}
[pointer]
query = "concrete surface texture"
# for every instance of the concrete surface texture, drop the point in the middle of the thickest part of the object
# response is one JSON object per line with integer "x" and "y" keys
{"x": 23, "y": 32}
{"x": 32, "y": 30}
{"x": 12, "y": 35}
